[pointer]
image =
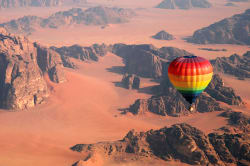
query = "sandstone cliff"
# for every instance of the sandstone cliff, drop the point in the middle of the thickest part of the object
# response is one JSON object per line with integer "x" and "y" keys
{"x": 233, "y": 30}
{"x": 21, "y": 71}
{"x": 146, "y": 60}
{"x": 183, "y": 4}
{"x": 91, "y": 16}
{"x": 82, "y": 53}
{"x": 238, "y": 66}
{"x": 38, "y": 3}
{"x": 169, "y": 102}
{"x": 179, "y": 142}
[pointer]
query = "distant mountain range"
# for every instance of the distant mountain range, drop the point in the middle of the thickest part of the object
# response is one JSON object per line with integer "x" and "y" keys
{"x": 184, "y": 4}
{"x": 37, "y": 3}
{"x": 92, "y": 16}
{"x": 233, "y": 30}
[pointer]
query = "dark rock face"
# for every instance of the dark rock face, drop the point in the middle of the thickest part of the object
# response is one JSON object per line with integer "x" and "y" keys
{"x": 131, "y": 81}
{"x": 217, "y": 90}
{"x": 21, "y": 71}
{"x": 146, "y": 60}
{"x": 50, "y": 62}
{"x": 82, "y": 53}
{"x": 178, "y": 142}
{"x": 230, "y": 4}
{"x": 238, "y": 120}
{"x": 27, "y": 3}
{"x": 183, "y": 4}
{"x": 163, "y": 35}
{"x": 238, "y": 66}
{"x": 92, "y": 16}
{"x": 169, "y": 102}
{"x": 238, "y": 0}
{"x": 233, "y": 30}
{"x": 232, "y": 148}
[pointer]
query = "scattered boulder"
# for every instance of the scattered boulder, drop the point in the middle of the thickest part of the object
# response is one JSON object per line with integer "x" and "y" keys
{"x": 131, "y": 81}
{"x": 163, "y": 35}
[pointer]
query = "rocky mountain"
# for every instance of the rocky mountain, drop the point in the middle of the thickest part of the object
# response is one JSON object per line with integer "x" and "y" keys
{"x": 233, "y": 30}
{"x": 238, "y": 66}
{"x": 238, "y": 0}
{"x": 82, "y": 53}
{"x": 180, "y": 142}
{"x": 184, "y": 4}
{"x": 163, "y": 35}
{"x": 230, "y": 4}
{"x": 131, "y": 81}
{"x": 22, "y": 67}
{"x": 146, "y": 60}
{"x": 38, "y": 3}
{"x": 92, "y": 16}
{"x": 169, "y": 102}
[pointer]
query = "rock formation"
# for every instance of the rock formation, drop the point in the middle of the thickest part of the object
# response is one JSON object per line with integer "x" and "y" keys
{"x": 27, "y": 3}
{"x": 179, "y": 142}
{"x": 169, "y": 102}
{"x": 183, "y": 4}
{"x": 22, "y": 65}
{"x": 82, "y": 53}
{"x": 92, "y": 16}
{"x": 233, "y": 30}
{"x": 230, "y": 4}
{"x": 238, "y": 66}
{"x": 146, "y": 60}
{"x": 131, "y": 81}
{"x": 38, "y": 3}
{"x": 163, "y": 35}
{"x": 238, "y": 0}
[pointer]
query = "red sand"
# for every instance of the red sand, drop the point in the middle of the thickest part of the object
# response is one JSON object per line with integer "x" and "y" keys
{"x": 81, "y": 110}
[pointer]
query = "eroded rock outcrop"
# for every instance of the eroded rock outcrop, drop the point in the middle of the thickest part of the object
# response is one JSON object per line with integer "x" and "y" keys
{"x": 163, "y": 35}
{"x": 39, "y": 3}
{"x": 130, "y": 81}
{"x": 179, "y": 142}
{"x": 146, "y": 60}
{"x": 31, "y": 3}
{"x": 21, "y": 71}
{"x": 233, "y": 30}
{"x": 91, "y": 16}
{"x": 170, "y": 102}
{"x": 183, "y": 4}
{"x": 82, "y": 53}
{"x": 238, "y": 66}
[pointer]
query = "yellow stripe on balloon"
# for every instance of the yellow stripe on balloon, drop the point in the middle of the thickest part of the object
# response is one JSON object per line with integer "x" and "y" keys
{"x": 190, "y": 84}
{"x": 197, "y": 78}
{"x": 191, "y": 89}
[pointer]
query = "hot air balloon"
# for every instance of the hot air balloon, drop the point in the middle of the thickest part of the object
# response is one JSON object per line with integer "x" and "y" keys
{"x": 190, "y": 75}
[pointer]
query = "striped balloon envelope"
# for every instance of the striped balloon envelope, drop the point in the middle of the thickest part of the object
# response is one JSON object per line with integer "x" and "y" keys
{"x": 190, "y": 75}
